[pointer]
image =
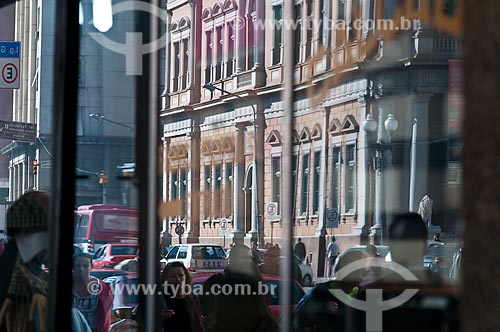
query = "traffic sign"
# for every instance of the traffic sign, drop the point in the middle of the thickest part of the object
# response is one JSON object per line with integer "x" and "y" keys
{"x": 9, "y": 73}
{"x": 223, "y": 227}
{"x": 9, "y": 64}
{"x": 272, "y": 212}
{"x": 332, "y": 218}
{"x": 10, "y": 49}
{"x": 18, "y": 131}
{"x": 179, "y": 230}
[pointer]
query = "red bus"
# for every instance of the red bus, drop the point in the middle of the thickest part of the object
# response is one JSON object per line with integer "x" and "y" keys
{"x": 99, "y": 224}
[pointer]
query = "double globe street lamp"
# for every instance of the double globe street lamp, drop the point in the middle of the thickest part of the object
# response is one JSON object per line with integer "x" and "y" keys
{"x": 382, "y": 161}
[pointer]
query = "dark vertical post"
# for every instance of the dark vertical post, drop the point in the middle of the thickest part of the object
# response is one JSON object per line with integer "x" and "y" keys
{"x": 67, "y": 43}
{"x": 146, "y": 153}
{"x": 479, "y": 296}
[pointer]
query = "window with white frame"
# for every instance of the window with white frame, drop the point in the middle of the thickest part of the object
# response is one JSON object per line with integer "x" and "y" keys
{"x": 207, "y": 194}
{"x": 228, "y": 197}
{"x": 230, "y": 50}
{"x": 316, "y": 173}
{"x": 309, "y": 28}
{"x": 298, "y": 33}
{"x": 350, "y": 178}
{"x": 277, "y": 34}
{"x": 250, "y": 15}
{"x": 335, "y": 178}
{"x": 304, "y": 192}
{"x": 340, "y": 29}
{"x": 208, "y": 57}
{"x": 356, "y": 8}
{"x": 276, "y": 181}
{"x": 217, "y": 194}
{"x": 177, "y": 66}
{"x": 185, "y": 66}
{"x": 295, "y": 170}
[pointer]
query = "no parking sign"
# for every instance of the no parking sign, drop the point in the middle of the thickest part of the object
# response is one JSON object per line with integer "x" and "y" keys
{"x": 9, "y": 64}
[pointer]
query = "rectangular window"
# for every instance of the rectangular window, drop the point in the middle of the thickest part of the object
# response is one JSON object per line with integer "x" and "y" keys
{"x": 207, "y": 192}
{"x": 217, "y": 192}
{"x": 276, "y": 181}
{"x": 177, "y": 66}
{"x": 185, "y": 62}
{"x": 174, "y": 180}
{"x": 309, "y": 28}
{"x": 219, "y": 55}
{"x": 298, "y": 34}
{"x": 304, "y": 194}
{"x": 340, "y": 29}
{"x": 277, "y": 33}
{"x": 335, "y": 187}
{"x": 230, "y": 50}
{"x": 316, "y": 172}
{"x": 295, "y": 165}
{"x": 355, "y": 16}
{"x": 228, "y": 197}
{"x": 350, "y": 180}
{"x": 183, "y": 190}
{"x": 321, "y": 32}
{"x": 208, "y": 58}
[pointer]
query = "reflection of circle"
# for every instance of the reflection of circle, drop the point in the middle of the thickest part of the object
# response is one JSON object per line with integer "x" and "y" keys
{"x": 14, "y": 70}
{"x": 179, "y": 230}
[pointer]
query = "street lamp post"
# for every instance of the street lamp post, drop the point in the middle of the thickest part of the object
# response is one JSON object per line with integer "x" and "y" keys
{"x": 100, "y": 117}
{"x": 258, "y": 159}
{"x": 382, "y": 159}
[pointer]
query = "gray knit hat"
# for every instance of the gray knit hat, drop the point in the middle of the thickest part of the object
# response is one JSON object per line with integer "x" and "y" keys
{"x": 29, "y": 213}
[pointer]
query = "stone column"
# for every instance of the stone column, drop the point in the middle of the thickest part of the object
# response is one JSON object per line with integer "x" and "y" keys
{"x": 193, "y": 188}
{"x": 419, "y": 152}
{"x": 165, "y": 177}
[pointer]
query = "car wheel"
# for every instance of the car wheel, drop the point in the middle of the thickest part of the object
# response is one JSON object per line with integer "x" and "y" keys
{"x": 307, "y": 281}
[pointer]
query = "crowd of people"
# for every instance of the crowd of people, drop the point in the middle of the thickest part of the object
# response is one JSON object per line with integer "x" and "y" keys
{"x": 25, "y": 289}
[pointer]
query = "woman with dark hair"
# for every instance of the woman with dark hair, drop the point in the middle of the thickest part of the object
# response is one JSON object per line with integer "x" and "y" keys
{"x": 91, "y": 296}
{"x": 180, "y": 311}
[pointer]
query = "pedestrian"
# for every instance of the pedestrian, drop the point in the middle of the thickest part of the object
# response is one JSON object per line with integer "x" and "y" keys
{"x": 245, "y": 311}
{"x": 332, "y": 252}
{"x": 24, "y": 283}
{"x": 300, "y": 249}
{"x": 437, "y": 237}
{"x": 91, "y": 296}
{"x": 180, "y": 310}
{"x": 256, "y": 259}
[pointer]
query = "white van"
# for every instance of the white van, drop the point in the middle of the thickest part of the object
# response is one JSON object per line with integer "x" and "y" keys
{"x": 198, "y": 257}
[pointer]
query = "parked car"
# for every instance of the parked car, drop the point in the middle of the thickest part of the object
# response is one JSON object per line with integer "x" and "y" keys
{"x": 439, "y": 258}
{"x": 306, "y": 272}
{"x": 113, "y": 253}
{"x": 199, "y": 257}
{"x": 273, "y": 284}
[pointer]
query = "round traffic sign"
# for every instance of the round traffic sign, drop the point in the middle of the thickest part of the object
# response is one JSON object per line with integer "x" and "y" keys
{"x": 179, "y": 230}
{"x": 223, "y": 224}
{"x": 9, "y": 73}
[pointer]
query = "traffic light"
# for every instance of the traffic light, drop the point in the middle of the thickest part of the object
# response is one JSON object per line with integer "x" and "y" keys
{"x": 35, "y": 166}
{"x": 103, "y": 177}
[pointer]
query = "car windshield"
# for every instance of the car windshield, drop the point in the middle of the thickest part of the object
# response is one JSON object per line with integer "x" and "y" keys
{"x": 124, "y": 250}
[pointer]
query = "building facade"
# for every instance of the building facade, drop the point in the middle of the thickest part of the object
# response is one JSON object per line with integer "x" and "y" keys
{"x": 222, "y": 118}
{"x": 105, "y": 118}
